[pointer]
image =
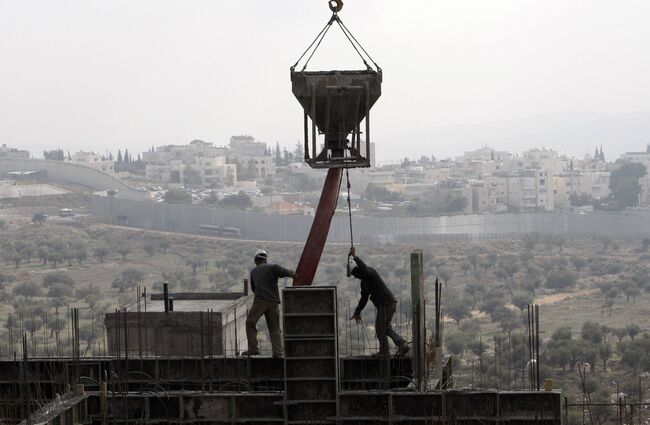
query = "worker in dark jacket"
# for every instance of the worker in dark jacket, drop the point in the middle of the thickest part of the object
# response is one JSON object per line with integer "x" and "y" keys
{"x": 264, "y": 284}
{"x": 373, "y": 287}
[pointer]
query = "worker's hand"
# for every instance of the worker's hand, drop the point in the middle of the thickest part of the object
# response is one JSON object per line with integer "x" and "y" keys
{"x": 353, "y": 252}
{"x": 357, "y": 318}
{"x": 294, "y": 277}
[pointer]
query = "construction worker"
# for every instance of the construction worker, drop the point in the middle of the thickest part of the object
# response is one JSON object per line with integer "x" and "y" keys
{"x": 373, "y": 287}
{"x": 264, "y": 284}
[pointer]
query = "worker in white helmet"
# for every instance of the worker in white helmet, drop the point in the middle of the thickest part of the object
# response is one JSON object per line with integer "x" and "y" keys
{"x": 264, "y": 284}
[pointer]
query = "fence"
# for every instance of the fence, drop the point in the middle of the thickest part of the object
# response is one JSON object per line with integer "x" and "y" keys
{"x": 628, "y": 224}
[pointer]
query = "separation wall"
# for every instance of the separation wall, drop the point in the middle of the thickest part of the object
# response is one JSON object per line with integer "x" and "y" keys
{"x": 73, "y": 173}
{"x": 629, "y": 224}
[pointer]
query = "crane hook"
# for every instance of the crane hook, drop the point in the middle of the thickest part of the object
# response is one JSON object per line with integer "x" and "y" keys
{"x": 336, "y": 5}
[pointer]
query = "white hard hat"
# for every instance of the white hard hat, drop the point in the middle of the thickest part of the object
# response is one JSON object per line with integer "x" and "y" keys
{"x": 261, "y": 253}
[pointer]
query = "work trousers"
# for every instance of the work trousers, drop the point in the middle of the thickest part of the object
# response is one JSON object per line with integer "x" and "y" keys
{"x": 384, "y": 327}
{"x": 271, "y": 312}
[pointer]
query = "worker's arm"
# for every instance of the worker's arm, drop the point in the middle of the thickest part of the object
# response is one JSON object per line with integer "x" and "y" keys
{"x": 282, "y": 272}
{"x": 362, "y": 266}
{"x": 362, "y": 303}
{"x": 252, "y": 283}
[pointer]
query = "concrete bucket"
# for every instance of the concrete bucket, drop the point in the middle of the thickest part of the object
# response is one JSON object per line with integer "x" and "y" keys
{"x": 337, "y": 102}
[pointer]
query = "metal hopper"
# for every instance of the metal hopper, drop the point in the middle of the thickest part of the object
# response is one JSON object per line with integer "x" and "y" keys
{"x": 336, "y": 103}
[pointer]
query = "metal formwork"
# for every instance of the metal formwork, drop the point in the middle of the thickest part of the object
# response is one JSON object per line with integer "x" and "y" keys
{"x": 311, "y": 370}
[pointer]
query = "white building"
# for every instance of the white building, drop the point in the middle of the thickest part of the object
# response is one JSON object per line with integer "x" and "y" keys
{"x": 180, "y": 164}
{"x": 91, "y": 159}
{"x": 526, "y": 190}
{"x": 13, "y": 153}
{"x": 252, "y": 158}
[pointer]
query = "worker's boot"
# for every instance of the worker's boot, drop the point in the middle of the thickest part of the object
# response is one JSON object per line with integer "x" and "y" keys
{"x": 403, "y": 350}
{"x": 250, "y": 353}
{"x": 380, "y": 355}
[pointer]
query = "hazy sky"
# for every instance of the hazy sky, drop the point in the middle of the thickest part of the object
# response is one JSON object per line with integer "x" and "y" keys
{"x": 510, "y": 73}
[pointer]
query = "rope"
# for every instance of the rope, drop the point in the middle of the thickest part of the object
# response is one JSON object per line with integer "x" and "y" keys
{"x": 312, "y": 43}
{"x": 327, "y": 28}
{"x": 338, "y": 21}
{"x": 347, "y": 176}
{"x": 321, "y": 36}
{"x": 359, "y": 44}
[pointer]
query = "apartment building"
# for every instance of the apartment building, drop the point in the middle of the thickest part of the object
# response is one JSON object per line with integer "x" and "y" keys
{"x": 252, "y": 157}
{"x": 91, "y": 159}
{"x": 592, "y": 183}
{"x": 179, "y": 163}
{"x": 13, "y": 153}
{"x": 524, "y": 190}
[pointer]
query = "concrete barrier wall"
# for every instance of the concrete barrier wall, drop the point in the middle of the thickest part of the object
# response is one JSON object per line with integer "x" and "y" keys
{"x": 632, "y": 224}
{"x": 73, "y": 173}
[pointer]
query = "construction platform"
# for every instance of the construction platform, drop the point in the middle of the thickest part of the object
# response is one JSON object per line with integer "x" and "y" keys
{"x": 311, "y": 385}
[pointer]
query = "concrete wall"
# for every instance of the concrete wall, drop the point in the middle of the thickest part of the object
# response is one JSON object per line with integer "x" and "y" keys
{"x": 463, "y": 407}
{"x": 629, "y": 224}
{"x": 73, "y": 173}
{"x": 179, "y": 333}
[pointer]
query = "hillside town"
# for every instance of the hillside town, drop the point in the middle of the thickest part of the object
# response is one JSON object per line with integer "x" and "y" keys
{"x": 250, "y": 174}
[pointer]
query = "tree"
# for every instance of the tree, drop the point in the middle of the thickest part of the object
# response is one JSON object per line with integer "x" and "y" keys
{"x": 100, "y": 252}
{"x": 54, "y": 278}
{"x": 562, "y": 334}
{"x": 493, "y": 301}
{"x": 6, "y": 278}
{"x": 54, "y": 155}
{"x": 164, "y": 245}
{"x": 80, "y": 253}
{"x": 592, "y": 332}
{"x": 645, "y": 243}
{"x": 150, "y": 249}
{"x": 605, "y": 241}
{"x": 619, "y": 333}
{"x": 521, "y": 300}
{"x": 530, "y": 240}
{"x": 128, "y": 279}
{"x": 378, "y": 193}
{"x": 633, "y": 330}
{"x": 458, "y": 309}
{"x": 445, "y": 275}
{"x": 581, "y": 199}
{"x": 453, "y": 203}
{"x": 509, "y": 265}
{"x": 578, "y": 262}
{"x": 509, "y": 320}
{"x": 39, "y": 218}
{"x": 457, "y": 343}
{"x": 178, "y": 196}
{"x": 561, "y": 280}
{"x": 630, "y": 290}
{"x": 28, "y": 290}
{"x": 624, "y": 184}
{"x": 560, "y": 356}
{"x": 124, "y": 250}
{"x": 60, "y": 291}
{"x": 474, "y": 290}
{"x": 299, "y": 151}
{"x": 195, "y": 262}
{"x": 191, "y": 283}
{"x": 241, "y": 200}
{"x": 605, "y": 353}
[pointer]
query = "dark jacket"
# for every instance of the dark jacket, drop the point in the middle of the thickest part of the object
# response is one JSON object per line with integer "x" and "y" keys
{"x": 264, "y": 281}
{"x": 373, "y": 287}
